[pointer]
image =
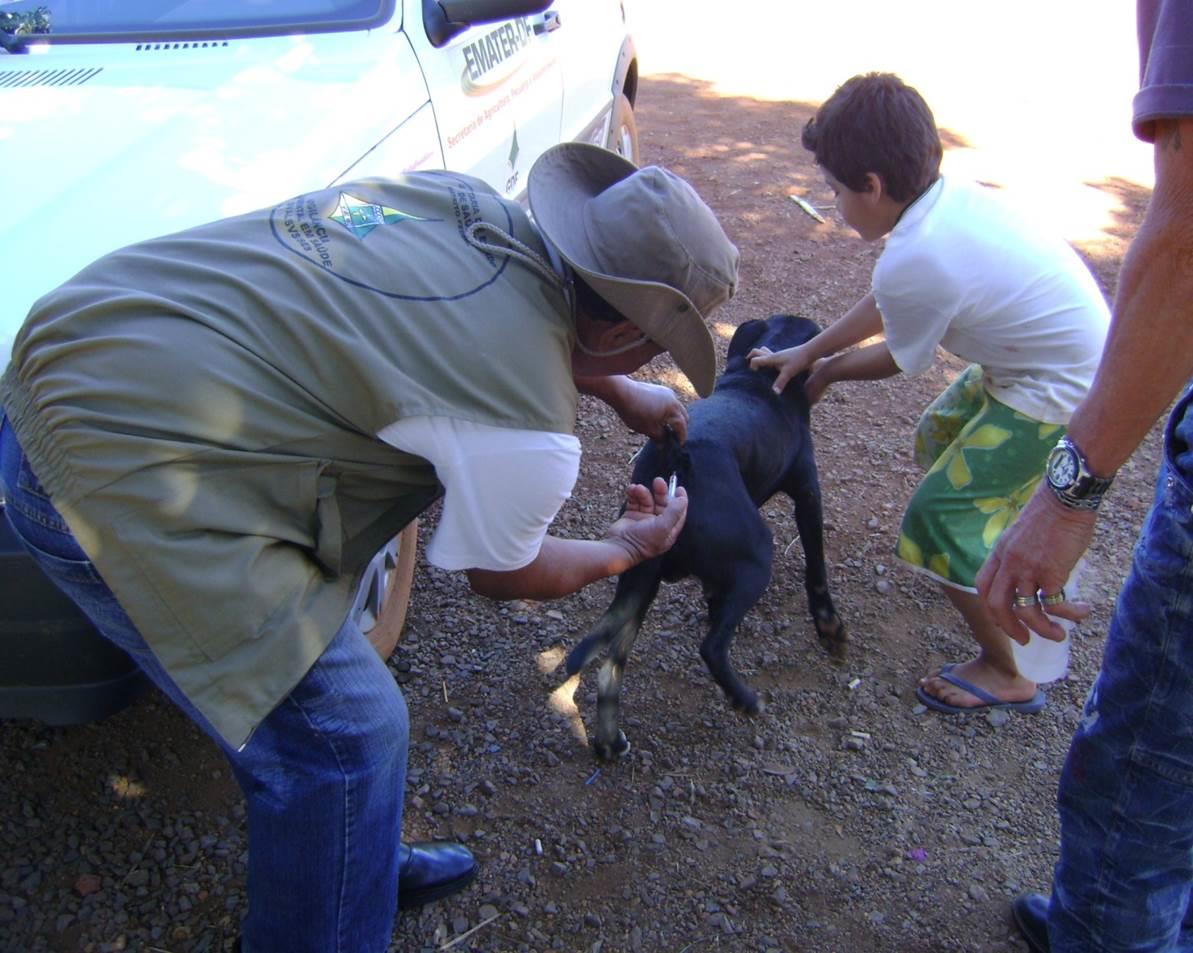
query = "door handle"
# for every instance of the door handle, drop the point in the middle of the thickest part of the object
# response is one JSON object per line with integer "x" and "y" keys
{"x": 549, "y": 22}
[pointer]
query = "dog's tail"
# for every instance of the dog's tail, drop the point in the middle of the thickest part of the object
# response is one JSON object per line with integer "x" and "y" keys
{"x": 616, "y": 630}
{"x": 618, "y": 627}
{"x": 661, "y": 459}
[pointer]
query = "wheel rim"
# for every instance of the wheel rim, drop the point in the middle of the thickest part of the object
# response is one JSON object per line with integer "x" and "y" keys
{"x": 624, "y": 142}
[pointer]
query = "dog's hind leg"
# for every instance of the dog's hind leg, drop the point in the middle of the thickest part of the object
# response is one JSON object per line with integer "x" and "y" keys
{"x": 635, "y": 592}
{"x": 617, "y": 630}
{"x": 809, "y": 519}
{"x": 727, "y": 606}
{"x": 610, "y": 741}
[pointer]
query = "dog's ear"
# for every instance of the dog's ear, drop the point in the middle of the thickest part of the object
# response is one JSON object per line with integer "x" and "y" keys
{"x": 806, "y": 328}
{"x": 788, "y": 330}
{"x": 746, "y": 337}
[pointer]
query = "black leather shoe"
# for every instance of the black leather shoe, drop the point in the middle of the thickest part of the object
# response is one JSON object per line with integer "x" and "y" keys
{"x": 432, "y": 870}
{"x": 1030, "y": 911}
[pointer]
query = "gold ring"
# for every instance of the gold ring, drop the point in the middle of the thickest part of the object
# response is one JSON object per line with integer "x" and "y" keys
{"x": 1025, "y": 602}
{"x": 1053, "y": 600}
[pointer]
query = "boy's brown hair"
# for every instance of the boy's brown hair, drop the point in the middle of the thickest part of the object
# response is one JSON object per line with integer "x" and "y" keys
{"x": 876, "y": 123}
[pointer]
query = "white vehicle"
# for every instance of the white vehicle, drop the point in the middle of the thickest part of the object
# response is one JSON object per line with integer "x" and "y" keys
{"x": 123, "y": 121}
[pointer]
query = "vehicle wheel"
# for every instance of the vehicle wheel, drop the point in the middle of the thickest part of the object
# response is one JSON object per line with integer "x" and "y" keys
{"x": 387, "y": 629}
{"x": 623, "y": 130}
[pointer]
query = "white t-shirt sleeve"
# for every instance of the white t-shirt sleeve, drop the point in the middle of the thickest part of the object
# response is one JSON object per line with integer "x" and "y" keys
{"x": 502, "y": 488}
{"x": 918, "y": 300}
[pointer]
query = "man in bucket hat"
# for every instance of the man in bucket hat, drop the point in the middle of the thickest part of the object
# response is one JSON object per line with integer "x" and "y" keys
{"x": 209, "y": 435}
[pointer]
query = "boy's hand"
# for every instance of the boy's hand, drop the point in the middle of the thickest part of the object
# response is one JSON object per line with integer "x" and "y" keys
{"x": 789, "y": 362}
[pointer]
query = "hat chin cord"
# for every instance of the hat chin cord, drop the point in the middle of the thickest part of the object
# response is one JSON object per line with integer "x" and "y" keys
{"x": 612, "y": 352}
{"x": 520, "y": 252}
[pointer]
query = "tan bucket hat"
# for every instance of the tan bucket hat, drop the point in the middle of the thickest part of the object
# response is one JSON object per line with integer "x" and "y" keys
{"x": 644, "y": 241}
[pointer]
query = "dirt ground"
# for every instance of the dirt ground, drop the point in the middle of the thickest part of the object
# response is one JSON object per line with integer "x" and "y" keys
{"x": 843, "y": 818}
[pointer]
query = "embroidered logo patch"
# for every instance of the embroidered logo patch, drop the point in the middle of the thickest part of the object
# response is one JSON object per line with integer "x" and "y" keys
{"x": 430, "y": 262}
{"x": 361, "y": 217}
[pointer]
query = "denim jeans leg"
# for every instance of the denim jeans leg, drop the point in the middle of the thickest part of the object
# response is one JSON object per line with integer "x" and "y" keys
{"x": 1123, "y": 878}
{"x": 323, "y": 776}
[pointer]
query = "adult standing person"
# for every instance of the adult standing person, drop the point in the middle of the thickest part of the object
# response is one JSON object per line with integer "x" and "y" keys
{"x": 1125, "y": 868}
{"x": 209, "y": 435}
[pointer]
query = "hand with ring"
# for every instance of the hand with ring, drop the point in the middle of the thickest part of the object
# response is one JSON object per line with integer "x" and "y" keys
{"x": 1040, "y": 598}
{"x": 1053, "y": 599}
{"x": 1020, "y": 582}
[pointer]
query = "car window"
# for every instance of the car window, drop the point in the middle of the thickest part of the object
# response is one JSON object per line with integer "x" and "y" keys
{"x": 83, "y": 20}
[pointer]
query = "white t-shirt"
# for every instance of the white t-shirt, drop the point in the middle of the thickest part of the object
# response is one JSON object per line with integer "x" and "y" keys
{"x": 502, "y": 488}
{"x": 964, "y": 270}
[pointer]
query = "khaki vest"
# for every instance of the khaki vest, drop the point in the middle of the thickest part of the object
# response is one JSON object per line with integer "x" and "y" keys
{"x": 202, "y": 409}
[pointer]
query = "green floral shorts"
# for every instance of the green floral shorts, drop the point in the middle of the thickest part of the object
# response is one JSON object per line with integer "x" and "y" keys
{"x": 983, "y": 461}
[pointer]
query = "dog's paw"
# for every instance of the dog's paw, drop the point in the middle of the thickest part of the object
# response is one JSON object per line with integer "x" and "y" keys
{"x": 748, "y": 703}
{"x": 833, "y": 637}
{"x": 607, "y": 751}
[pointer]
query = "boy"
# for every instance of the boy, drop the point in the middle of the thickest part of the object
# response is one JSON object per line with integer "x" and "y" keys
{"x": 962, "y": 271}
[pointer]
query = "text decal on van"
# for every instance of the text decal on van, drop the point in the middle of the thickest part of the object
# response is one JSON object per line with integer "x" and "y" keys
{"x": 494, "y": 58}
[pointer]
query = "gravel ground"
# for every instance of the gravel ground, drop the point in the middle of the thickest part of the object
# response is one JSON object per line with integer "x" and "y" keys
{"x": 843, "y": 818}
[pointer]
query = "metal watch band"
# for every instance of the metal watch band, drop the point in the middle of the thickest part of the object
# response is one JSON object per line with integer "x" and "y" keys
{"x": 1090, "y": 501}
{"x": 1086, "y": 491}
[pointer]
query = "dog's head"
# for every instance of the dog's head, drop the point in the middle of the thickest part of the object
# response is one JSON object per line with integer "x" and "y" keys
{"x": 777, "y": 332}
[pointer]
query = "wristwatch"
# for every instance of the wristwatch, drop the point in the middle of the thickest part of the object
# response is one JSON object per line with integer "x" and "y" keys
{"x": 1068, "y": 475}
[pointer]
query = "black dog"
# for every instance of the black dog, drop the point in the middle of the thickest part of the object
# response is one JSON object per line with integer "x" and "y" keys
{"x": 745, "y": 444}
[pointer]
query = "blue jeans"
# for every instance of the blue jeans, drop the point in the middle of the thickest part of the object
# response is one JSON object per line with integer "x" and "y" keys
{"x": 1125, "y": 871}
{"x": 322, "y": 776}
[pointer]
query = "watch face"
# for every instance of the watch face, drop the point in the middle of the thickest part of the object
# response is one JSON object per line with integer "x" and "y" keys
{"x": 1062, "y": 467}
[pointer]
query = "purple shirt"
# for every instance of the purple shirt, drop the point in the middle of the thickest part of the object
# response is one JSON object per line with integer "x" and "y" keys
{"x": 1165, "y": 63}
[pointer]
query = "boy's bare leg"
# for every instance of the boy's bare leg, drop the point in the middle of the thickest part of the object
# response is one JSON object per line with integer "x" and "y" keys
{"x": 994, "y": 668}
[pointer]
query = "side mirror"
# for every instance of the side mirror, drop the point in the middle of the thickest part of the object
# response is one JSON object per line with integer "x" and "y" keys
{"x": 444, "y": 19}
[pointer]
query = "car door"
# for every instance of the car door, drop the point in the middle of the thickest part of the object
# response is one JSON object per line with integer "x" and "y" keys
{"x": 593, "y": 39}
{"x": 497, "y": 92}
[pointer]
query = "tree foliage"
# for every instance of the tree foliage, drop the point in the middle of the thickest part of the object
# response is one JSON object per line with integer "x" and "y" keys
{"x": 24, "y": 23}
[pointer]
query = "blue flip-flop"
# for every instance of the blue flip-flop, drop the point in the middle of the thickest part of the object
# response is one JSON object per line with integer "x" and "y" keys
{"x": 1029, "y": 707}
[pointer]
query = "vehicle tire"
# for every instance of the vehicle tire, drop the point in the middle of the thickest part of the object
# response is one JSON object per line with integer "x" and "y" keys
{"x": 386, "y": 631}
{"x": 623, "y": 130}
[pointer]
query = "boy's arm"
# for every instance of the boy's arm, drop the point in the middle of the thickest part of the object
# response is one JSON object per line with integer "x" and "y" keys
{"x": 871, "y": 363}
{"x": 861, "y": 321}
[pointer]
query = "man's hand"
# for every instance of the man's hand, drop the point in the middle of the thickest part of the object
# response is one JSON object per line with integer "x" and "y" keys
{"x": 651, "y": 523}
{"x": 1037, "y": 553}
{"x": 645, "y": 408}
{"x": 649, "y": 527}
{"x": 650, "y": 409}
{"x": 790, "y": 362}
